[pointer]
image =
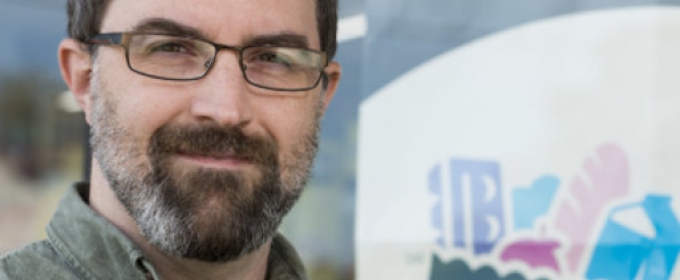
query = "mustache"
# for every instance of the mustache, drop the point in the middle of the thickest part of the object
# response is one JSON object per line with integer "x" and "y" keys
{"x": 212, "y": 141}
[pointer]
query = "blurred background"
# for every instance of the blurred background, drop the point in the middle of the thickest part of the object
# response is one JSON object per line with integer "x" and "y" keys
{"x": 494, "y": 105}
{"x": 43, "y": 139}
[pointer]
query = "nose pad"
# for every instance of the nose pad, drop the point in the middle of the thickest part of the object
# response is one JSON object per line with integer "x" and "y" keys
{"x": 208, "y": 63}
{"x": 244, "y": 70}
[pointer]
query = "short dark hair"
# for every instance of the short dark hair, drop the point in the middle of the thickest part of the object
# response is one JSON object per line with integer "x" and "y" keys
{"x": 85, "y": 18}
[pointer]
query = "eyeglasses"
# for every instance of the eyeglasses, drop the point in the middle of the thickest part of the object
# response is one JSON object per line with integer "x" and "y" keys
{"x": 178, "y": 58}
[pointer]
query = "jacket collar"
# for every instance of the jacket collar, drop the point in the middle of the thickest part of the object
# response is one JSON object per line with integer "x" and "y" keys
{"x": 96, "y": 249}
{"x": 93, "y": 247}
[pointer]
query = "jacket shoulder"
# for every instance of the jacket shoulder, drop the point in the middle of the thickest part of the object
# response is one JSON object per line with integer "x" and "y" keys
{"x": 36, "y": 261}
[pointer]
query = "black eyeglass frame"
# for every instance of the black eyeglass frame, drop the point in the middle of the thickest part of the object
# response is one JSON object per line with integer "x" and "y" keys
{"x": 123, "y": 39}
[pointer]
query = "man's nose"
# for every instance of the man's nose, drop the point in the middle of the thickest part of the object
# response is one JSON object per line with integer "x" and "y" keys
{"x": 222, "y": 95}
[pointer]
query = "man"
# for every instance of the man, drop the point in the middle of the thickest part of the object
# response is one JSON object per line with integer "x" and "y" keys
{"x": 204, "y": 117}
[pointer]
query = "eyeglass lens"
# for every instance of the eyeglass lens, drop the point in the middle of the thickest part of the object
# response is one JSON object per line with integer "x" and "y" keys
{"x": 180, "y": 58}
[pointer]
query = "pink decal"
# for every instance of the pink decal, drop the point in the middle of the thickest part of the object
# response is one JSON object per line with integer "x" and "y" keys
{"x": 535, "y": 253}
{"x": 608, "y": 177}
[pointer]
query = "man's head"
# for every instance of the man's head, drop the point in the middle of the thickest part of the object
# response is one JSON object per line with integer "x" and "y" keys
{"x": 208, "y": 166}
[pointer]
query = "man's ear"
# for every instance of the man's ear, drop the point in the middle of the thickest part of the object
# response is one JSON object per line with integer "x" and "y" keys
{"x": 333, "y": 73}
{"x": 75, "y": 63}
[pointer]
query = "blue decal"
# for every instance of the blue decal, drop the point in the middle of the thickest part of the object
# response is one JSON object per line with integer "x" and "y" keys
{"x": 437, "y": 216}
{"x": 477, "y": 183}
{"x": 533, "y": 202}
{"x": 627, "y": 249}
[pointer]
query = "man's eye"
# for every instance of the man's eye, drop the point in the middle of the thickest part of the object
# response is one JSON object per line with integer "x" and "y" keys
{"x": 274, "y": 58}
{"x": 169, "y": 47}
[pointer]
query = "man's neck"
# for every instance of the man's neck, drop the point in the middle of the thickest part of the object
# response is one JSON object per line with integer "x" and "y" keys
{"x": 104, "y": 201}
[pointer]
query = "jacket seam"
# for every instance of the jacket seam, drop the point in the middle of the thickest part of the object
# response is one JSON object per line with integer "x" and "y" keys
{"x": 77, "y": 269}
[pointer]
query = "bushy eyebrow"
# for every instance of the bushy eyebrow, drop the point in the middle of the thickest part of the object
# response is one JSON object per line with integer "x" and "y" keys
{"x": 282, "y": 40}
{"x": 169, "y": 27}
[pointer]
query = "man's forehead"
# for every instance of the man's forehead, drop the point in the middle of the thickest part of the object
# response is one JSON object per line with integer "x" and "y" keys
{"x": 170, "y": 27}
{"x": 224, "y": 21}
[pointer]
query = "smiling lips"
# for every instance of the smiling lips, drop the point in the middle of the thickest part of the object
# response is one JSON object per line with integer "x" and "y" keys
{"x": 224, "y": 161}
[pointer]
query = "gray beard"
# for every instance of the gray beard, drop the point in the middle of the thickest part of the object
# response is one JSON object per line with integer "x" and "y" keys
{"x": 198, "y": 213}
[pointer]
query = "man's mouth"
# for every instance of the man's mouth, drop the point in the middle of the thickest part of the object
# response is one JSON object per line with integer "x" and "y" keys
{"x": 216, "y": 161}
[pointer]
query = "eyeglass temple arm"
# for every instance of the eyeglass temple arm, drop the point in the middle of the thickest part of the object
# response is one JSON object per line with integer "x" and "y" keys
{"x": 106, "y": 39}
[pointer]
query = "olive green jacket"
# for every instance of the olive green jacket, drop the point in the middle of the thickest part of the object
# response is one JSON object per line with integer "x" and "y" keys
{"x": 81, "y": 244}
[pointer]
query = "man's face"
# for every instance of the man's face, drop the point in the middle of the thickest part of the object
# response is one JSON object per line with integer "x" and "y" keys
{"x": 206, "y": 168}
